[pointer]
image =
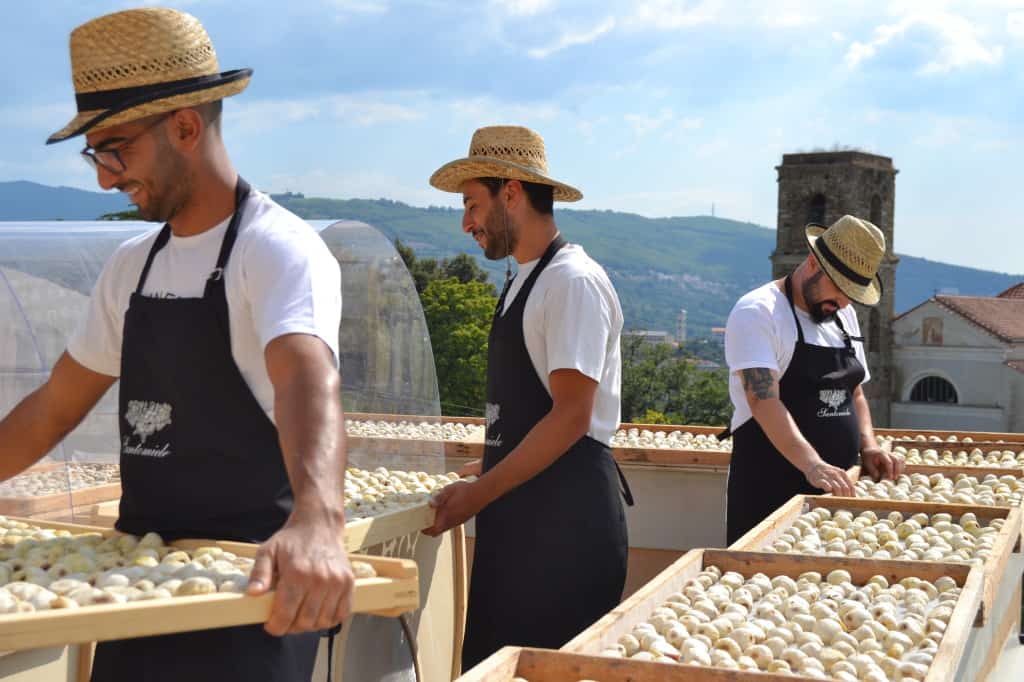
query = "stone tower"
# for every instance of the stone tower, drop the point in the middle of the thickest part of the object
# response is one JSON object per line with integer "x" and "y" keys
{"x": 820, "y": 187}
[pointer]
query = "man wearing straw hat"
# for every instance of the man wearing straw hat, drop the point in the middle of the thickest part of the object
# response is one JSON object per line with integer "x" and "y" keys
{"x": 223, "y": 329}
{"x": 550, "y": 552}
{"x": 797, "y": 365}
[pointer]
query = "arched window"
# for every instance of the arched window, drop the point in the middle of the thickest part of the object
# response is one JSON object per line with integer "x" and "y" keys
{"x": 816, "y": 209}
{"x": 876, "y": 211}
{"x": 933, "y": 389}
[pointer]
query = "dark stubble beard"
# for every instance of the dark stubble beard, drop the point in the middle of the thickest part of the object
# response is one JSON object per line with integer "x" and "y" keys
{"x": 815, "y": 308}
{"x": 171, "y": 185}
{"x": 501, "y": 238}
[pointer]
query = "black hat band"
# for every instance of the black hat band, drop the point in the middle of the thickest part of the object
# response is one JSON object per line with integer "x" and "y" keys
{"x": 839, "y": 265}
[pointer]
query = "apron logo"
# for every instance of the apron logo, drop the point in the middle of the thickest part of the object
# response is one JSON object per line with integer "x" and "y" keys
{"x": 834, "y": 398}
{"x": 492, "y": 413}
{"x": 147, "y": 418}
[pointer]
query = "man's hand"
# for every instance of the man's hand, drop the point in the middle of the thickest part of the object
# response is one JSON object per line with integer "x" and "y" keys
{"x": 306, "y": 563}
{"x": 830, "y": 478}
{"x": 881, "y": 464}
{"x": 456, "y": 504}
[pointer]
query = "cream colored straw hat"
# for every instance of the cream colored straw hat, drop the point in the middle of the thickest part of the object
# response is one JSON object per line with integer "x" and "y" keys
{"x": 510, "y": 152}
{"x": 850, "y": 252}
{"x": 140, "y": 62}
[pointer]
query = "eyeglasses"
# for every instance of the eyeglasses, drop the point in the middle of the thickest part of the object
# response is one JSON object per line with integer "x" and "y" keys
{"x": 110, "y": 159}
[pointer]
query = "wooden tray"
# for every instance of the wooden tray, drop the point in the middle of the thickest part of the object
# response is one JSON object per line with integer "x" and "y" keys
{"x": 541, "y": 665}
{"x": 359, "y": 533}
{"x": 621, "y": 620}
{"x": 393, "y": 592}
{"x": 29, "y": 506}
{"x": 1007, "y": 542}
{"x": 950, "y": 471}
{"x": 981, "y": 436}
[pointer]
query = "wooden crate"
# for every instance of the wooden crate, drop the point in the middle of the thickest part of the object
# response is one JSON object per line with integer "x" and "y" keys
{"x": 541, "y": 665}
{"x": 394, "y": 591}
{"x": 1008, "y": 540}
{"x": 638, "y": 608}
{"x": 359, "y": 533}
{"x": 949, "y": 471}
{"x": 909, "y": 434}
{"x": 30, "y": 506}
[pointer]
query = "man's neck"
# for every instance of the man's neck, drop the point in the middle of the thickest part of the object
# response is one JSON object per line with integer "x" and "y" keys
{"x": 211, "y": 203}
{"x": 534, "y": 238}
{"x": 796, "y": 281}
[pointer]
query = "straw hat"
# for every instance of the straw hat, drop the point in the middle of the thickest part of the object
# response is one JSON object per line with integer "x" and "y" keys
{"x": 850, "y": 252}
{"x": 510, "y": 152}
{"x": 132, "y": 64}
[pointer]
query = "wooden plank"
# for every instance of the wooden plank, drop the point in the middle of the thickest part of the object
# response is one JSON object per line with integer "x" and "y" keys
{"x": 540, "y": 665}
{"x": 764, "y": 534}
{"x": 668, "y": 456}
{"x": 768, "y": 531}
{"x": 395, "y": 590}
{"x": 66, "y": 499}
{"x": 903, "y": 434}
{"x": 638, "y": 608}
{"x": 359, "y": 533}
{"x": 86, "y": 652}
{"x": 461, "y": 595}
{"x": 953, "y": 471}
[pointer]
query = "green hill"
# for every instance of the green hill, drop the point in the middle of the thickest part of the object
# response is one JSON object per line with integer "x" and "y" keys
{"x": 658, "y": 265}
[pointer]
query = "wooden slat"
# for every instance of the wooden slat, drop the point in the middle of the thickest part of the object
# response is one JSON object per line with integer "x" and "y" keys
{"x": 359, "y": 533}
{"x": 395, "y": 590}
{"x": 768, "y": 531}
{"x": 30, "y": 506}
{"x": 461, "y": 595}
{"x": 638, "y": 608}
{"x": 900, "y": 434}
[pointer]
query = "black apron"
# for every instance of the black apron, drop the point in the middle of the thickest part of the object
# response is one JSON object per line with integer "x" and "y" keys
{"x": 550, "y": 555}
{"x": 817, "y": 389}
{"x": 199, "y": 459}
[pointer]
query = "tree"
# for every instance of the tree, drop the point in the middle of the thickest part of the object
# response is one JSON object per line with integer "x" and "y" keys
{"x": 462, "y": 267}
{"x": 458, "y": 318}
{"x": 659, "y": 383}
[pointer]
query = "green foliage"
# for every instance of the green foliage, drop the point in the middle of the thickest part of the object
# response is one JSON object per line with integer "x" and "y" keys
{"x": 130, "y": 214}
{"x": 458, "y": 317}
{"x": 660, "y": 385}
{"x": 462, "y": 267}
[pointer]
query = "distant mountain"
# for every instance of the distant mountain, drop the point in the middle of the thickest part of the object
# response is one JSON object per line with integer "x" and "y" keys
{"x": 23, "y": 200}
{"x": 658, "y": 265}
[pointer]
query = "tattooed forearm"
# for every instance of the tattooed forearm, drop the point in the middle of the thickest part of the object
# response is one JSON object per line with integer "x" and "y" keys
{"x": 759, "y": 382}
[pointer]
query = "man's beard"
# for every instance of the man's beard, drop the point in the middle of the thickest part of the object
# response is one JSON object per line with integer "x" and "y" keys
{"x": 170, "y": 188}
{"x": 815, "y": 308}
{"x": 501, "y": 240}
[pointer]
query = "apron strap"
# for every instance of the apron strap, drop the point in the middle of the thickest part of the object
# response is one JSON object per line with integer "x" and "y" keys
{"x": 627, "y": 493}
{"x": 792, "y": 309}
{"x": 161, "y": 242}
{"x": 331, "y": 635}
{"x": 554, "y": 247}
{"x": 241, "y": 192}
{"x": 846, "y": 337}
{"x": 723, "y": 434}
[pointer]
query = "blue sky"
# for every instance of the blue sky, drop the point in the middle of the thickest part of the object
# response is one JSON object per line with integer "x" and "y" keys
{"x": 658, "y": 107}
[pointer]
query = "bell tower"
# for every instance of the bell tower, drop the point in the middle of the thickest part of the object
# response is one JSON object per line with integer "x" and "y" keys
{"x": 820, "y": 187}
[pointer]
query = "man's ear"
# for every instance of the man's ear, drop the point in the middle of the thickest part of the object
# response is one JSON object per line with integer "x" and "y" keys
{"x": 186, "y": 129}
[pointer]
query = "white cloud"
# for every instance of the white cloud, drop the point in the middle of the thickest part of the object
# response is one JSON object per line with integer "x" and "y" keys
{"x": 483, "y": 111}
{"x": 524, "y": 8}
{"x": 672, "y": 14}
{"x": 644, "y": 124}
{"x": 1015, "y": 24}
{"x": 959, "y": 42}
{"x": 572, "y": 38}
{"x": 253, "y": 116}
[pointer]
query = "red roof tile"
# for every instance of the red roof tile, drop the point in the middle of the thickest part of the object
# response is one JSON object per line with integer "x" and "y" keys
{"x": 1002, "y": 317}
{"x": 1016, "y": 291}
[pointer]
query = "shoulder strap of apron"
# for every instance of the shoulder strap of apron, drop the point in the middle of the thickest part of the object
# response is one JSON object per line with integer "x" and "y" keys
{"x": 792, "y": 308}
{"x": 846, "y": 336}
{"x": 242, "y": 190}
{"x": 241, "y": 193}
{"x": 554, "y": 247}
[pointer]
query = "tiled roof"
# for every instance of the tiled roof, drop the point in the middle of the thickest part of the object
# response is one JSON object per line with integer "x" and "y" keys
{"x": 1016, "y": 291}
{"x": 1001, "y": 317}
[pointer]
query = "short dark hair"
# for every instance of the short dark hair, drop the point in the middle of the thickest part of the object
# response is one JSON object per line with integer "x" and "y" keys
{"x": 541, "y": 197}
{"x": 210, "y": 113}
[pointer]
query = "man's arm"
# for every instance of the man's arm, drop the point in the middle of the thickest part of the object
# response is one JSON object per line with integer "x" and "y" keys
{"x": 307, "y": 557}
{"x": 572, "y": 396}
{"x": 761, "y": 387}
{"x": 876, "y": 461}
{"x": 40, "y": 421}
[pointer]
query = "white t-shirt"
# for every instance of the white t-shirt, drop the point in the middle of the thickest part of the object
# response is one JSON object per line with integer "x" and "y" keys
{"x": 572, "y": 320}
{"x": 761, "y": 333}
{"x": 281, "y": 279}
